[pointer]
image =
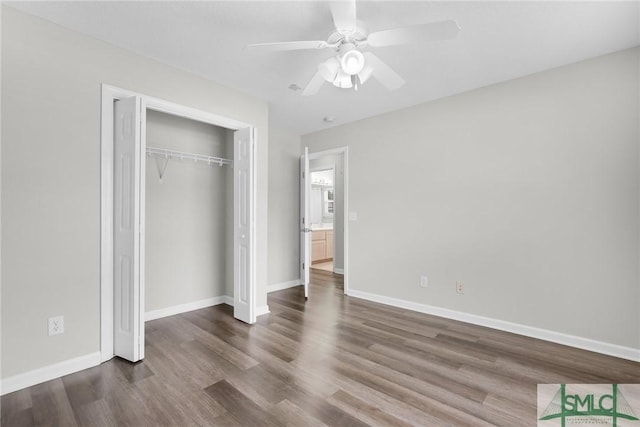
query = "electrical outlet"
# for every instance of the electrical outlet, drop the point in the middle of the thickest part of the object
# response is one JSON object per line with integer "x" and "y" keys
{"x": 424, "y": 281}
{"x": 459, "y": 287}
{"x": 56, "y": 325}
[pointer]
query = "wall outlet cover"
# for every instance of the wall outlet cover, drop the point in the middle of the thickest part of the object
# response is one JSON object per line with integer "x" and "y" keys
{"x": 459, "y": 287}
{"x": 56, "y": 325}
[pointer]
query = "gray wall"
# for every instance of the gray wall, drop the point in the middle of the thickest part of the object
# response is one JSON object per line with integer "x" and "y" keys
{"x": 527, "y": 191}
{"x": 51, "y": 81}
{"x": 284, "y": 206}
{"x": 186, "y": 215}
{"x": 335, "y": 160}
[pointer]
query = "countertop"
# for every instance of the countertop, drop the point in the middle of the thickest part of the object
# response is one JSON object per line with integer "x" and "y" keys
{"x": 321, "y": 227}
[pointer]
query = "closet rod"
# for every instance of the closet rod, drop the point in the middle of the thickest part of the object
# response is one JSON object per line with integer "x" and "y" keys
{"x": 171, "y": 154}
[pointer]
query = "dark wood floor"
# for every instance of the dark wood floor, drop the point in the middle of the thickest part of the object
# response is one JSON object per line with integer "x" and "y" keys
{"x": 332, "y": 360}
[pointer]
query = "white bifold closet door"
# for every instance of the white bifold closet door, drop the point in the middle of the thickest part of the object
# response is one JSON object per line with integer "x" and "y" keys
{"x": 128, "y": 325}
{"x": 243, "y": 219}
{"x": 128, "y": 223}
{"x": 305, "y": 221}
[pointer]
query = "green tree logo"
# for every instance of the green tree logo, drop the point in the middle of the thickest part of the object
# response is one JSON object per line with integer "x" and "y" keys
{"x": 566, "y": 405}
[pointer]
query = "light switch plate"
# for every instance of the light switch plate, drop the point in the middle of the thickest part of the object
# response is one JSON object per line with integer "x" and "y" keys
{"x": 424, "y": 281}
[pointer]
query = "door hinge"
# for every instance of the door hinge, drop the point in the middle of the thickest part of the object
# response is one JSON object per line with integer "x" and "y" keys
{"x": 302, "y": 174}
{"x": 303, "y": 265}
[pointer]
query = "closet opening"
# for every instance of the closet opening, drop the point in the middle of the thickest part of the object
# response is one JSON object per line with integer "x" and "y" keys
{"x": 178, "y": 216}
{"x": 188, "y": 214}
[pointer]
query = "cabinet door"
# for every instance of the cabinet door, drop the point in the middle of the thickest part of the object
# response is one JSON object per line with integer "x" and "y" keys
{"x": 318, "y": 250}
{"x": 318, "y": 235}
{"x": 329, "y": 251}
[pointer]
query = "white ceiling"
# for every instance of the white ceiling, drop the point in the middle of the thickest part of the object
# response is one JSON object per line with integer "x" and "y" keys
{"x": 499, "y": 41}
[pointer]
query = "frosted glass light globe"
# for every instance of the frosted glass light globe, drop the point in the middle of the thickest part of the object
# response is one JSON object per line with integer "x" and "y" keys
{"x": 352, "y": 62}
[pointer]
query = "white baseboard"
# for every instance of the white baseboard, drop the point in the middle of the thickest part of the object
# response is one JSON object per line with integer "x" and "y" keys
{"x": 190, "y": 306}
{"x": 283, "y": 285}
{"x": 50, "y": 372}
{"x": 339, "y": 271}
{"x": 66, "y": 367}
{"x": 262, "y": 310}
{"x": 628, "y": 353}
{"x": 197, "y": 305}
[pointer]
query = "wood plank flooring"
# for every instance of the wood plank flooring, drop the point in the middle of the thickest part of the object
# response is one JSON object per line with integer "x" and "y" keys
{"x": 326, "y": 266}
{"x": 329, "y": 361}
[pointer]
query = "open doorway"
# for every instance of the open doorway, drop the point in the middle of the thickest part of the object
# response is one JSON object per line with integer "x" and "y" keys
{"x": 324, "y": 201}
{"x": 322, "y": 214}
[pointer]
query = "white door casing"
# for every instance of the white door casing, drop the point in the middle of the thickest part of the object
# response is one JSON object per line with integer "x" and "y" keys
{"x": 305, "y": 221}
{"x": 243, "y": 222}
{"x": 128, "y": 323}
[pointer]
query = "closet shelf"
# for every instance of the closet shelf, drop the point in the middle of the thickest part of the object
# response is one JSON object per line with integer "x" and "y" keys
{"x": 171, "y": 154}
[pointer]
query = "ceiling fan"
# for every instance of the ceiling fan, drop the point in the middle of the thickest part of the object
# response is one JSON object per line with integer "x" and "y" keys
{"x": 350, "y": 67}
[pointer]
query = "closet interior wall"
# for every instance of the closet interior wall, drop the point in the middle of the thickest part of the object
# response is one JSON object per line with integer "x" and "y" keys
{"x": 189, "y": 243}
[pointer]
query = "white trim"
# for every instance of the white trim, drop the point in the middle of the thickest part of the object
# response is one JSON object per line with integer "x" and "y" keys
{"x": 344, "y": 151}
{"x": 284, "y": 285}
{"x": 345, "y": 215}
{"x": 338, "y": 270}
{"x": 174, "y": 109}
{"x": 615, "y": 350}
{"x": 262, "y": 310}
{"x": 330, "y": 152}
{"x": 50, "y": 372}
{"x": 189, "y": 306}
{"x": 253, "y": 234}
{"x": 0, "y": 221}
{"x": 142, "y": 240}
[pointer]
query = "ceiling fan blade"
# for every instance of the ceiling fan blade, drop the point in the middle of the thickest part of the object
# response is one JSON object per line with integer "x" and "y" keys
{"x": 344, "y": 15}
{"x": 382, "y": 72}
{"x": 297, "y": 45}
{"x": 443, "y": 30}
{"x": 314, "y": 85}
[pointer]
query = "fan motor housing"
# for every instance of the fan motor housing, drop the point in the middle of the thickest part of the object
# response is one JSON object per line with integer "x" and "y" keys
{"x": 352, "y": 39}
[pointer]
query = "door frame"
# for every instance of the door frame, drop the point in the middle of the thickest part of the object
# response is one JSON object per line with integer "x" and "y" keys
{"x": 344, "y": 151}
{"x": 110, "y": 94}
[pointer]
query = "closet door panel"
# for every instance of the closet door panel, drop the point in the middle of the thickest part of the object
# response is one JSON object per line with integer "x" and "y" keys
{"x": 128, "y": 326}
{"x": 305, "y": 221}
{"x": 243, "y": 226}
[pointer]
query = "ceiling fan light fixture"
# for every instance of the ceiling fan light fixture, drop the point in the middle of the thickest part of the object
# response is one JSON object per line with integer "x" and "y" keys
{"x": 352, "y": 62}
{"x": 343, "y": 81}
{"x": 329, "y": 69}
{"x": 355, "y": 81}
